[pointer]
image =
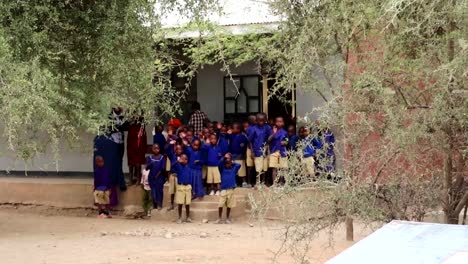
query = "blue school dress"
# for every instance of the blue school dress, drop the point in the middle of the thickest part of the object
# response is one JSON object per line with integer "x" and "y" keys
{"x": 196, "y": 171}
{"x": 156, "y": 166}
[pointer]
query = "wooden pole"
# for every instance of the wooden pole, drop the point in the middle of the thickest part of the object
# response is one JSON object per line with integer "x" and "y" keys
{"x": 265, "y": 93}
{"x": 349, "y": 229}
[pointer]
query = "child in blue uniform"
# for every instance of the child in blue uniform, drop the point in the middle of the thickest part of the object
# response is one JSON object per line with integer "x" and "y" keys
{"x": 292, "y": 138}
{"x": 237, "y": 148}
{"x": 258, "y": 137}
{"x": 184, "y": 187}
{"x": 228, "y": 171}
{"x": 213, "y": 155}
{"x": 277, "y": 143}
{"x": 156, "y": 164}
{"x": 196, "y": 161}
{"x": 160, "y": 139}
{"x": 102, "y": 187}
{"x": 310, "y": 146}
{"x": 174, "y": 151}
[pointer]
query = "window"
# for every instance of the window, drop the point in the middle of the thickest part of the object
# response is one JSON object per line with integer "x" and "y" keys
{"x": 242, "y": 96}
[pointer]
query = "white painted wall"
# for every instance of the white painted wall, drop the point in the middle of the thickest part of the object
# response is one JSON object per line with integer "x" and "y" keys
{"x": 71, "y": 160}
{"x": 210, "y": 89}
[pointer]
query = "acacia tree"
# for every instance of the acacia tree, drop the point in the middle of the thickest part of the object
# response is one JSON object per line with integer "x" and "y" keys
{"x": 65, "y": 64}
{"x": 392, "y": 75}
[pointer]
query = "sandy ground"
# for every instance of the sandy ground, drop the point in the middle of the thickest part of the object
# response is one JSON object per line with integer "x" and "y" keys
{"x": 31, "y": 237}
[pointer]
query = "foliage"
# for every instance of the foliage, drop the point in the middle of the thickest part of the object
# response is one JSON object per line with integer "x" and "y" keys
{"x": 392, "y": 76}
{"x": 67, "y": 63}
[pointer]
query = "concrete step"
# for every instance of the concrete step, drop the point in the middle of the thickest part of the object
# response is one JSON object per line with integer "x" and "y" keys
{"x": 197, "y": 214}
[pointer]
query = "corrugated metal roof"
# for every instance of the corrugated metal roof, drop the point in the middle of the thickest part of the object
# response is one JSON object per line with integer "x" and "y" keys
{"x": 233, "y": 13}
{"x": 401, "y": 242}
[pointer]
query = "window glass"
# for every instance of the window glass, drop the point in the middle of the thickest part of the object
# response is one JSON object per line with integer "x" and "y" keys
{"x": 253, "y": 105}
{"x": 251, "y": 85}
{"x": 232, "y": 86}
{"x": 242, "y": 103}
{"x": 230, "y": 106}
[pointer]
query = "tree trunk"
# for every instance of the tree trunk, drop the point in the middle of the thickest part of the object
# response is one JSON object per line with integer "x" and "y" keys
{"x": 451, "y": 218}
{"x": 349, "y": 229}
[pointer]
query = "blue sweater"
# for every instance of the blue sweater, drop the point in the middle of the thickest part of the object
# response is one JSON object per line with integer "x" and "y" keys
{"x": 193, "y": 156}
{"x": 311, "y": 146}
{"x": 277, "y": 139}
{"x": 258, "y": 137}
{"x": 183, "y": 173}
{"x": 228, "y": 175}
{"x": 238, "y": 146}
{"x": 213, "y": 154}
{"x": 223, "y": 143}
{"x": 292, "y": 143}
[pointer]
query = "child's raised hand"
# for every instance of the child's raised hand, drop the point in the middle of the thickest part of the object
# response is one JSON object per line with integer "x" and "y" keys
{"x": 185, "y": 142}
{"x": 172, "y": 142}
{"x": 229, "y": 131}
{"x": 182, "y": 135}
{"x": 219, "y": 126}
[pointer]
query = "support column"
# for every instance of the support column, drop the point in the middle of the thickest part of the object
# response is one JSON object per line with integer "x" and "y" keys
{"x": 265, "y": 93}
{"x": 293, "y": 102}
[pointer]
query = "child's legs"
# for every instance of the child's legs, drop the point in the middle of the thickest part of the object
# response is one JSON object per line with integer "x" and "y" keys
{"x": 146, "y": 200}
{"x": 187, "y": 210}
{"x": 259, "y": 168}
{"x": 172, "y": 187}
{"x": 160, "y": 191}
{"x": 274, "y": 164}
{"x": 154, "y": 196}
{"x": 131, "y": 174}
{"x": 242, "y": 174}
{"x": 138, "y": 174}
{"x": 179, "y": 210}
{"x": 214, "y": 177}
{"x": 230, "y": 202}
{"x": 220, "y": 212}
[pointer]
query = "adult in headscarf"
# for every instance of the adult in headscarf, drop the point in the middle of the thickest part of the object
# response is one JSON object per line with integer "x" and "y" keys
{"x": 110, "y": 145}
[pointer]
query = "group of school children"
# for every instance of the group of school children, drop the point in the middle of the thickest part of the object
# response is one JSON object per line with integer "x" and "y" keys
{"x": 216, "y": 158}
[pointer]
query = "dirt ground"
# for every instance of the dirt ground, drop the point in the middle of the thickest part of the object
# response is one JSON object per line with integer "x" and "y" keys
{"x": 31, "y": 236}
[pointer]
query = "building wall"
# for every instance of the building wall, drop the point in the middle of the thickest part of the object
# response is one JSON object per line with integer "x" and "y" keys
{"x": 210, "y": 89}
{"x": 78, "y": 159}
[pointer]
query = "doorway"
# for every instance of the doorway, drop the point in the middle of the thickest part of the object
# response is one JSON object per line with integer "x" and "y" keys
{"x": 281, "y": 104}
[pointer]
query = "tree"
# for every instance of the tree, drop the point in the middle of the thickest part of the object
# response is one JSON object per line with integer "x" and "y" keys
{"x": 65, "y": 64}
{"x": 392, "y": 75}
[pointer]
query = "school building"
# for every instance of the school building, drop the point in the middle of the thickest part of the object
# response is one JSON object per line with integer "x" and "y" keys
{"x": 211, "y": 86}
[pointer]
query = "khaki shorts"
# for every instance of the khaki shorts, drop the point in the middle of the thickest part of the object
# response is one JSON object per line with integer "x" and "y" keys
{"x": 213, "y": 175}
{"x": 168, "y": 165}
{"x": 227, "y": 198}
{"x": 172, "y": 183}
{"x": 276, "y": 161}
{"x": 101, "y": 197}
{"x": 261, "y": 164}
{"x": 204, "y": 172}
{"x": 309, "y": 164}
{"x": 242, "y": 171}
{"x": 249, "y": 160}
{"x": 183, "y": 194}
